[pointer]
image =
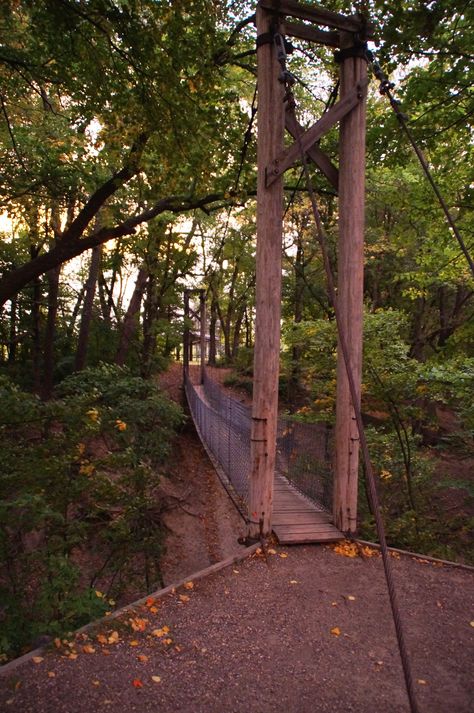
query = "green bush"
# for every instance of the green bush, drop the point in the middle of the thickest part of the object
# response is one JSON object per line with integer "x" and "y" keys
{"x": 79, "y": 473}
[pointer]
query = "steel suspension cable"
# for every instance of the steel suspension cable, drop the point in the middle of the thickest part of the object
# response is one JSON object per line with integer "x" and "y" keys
{"x": 374, "y": 499}
{"x": 385, "y": 89}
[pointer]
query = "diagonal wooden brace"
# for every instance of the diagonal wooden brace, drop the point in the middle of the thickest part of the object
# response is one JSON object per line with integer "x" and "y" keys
{"x": 322, "y": 160}
{"x": 288, "y": 157}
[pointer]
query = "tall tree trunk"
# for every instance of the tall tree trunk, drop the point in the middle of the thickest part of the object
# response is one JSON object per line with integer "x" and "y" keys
{"x": 212, "y": 334}
{"x": 86, "y": 319}
{"x": 130, "y": 322}
{"x": 236, "y": 337}
{"x": 50, "y": 333}
{"x": 12, "y": 341}
{"x": 149, "y": 319}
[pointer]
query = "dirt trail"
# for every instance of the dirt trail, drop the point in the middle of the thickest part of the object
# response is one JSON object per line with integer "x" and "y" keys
{"x": 203, "y": 525}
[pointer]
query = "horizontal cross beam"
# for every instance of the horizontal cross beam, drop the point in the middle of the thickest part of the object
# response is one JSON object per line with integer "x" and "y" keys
{"x": 286, "y": 159}
{"x": 319, "y": 15}
{"x": 311, "y": 34}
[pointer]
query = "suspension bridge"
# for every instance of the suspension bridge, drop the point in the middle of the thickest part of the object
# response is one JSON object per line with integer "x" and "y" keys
{"x": 302, "y": 488}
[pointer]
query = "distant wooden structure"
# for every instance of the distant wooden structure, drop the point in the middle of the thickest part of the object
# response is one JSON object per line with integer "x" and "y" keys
{"x": 347, "y": 34}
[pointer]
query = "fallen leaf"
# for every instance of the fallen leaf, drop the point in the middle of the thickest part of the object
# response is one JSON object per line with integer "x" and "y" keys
{"x": 153, "y": 610}
{"x": 183, "y": 598}
{"x": 178, "y": 648}
{"x": 421, "y": 681}
{"x": 283, "y": 555}
{"x": 471, "y": 623}
{"x": 58, "y": 643}
{"x": 334, "y": 604}
{"x": 167, "y": 641}
{"x": 271, "y": 551}
{"x": 137, "y": 683}
{"x": 142, "y": 658}
{"x": 72, "y": 657}
{"x": 51, "y": 674}
{"x": 101, "y": 638}
{"x": 134, "y": 642}
{"x": 379, "y": 663}
{"x": 150, "y": 601}
{"x": 37, "y": 659}
{"x": 161, "y": 632}
{"x": 96, "y": 683}
{"x": 138, "y": 624}
{"x": 189, "y": 585}
{"x": 156, "y": 679}
{"x": 113, "y": 637}
{"x": 88, "y": 649}
{"x": 17, "y": 685}
{"x": 336, "y": 631}
{"x": 235, "y": 571}
{"x": 293, "y": 581}
{"x": 351, "y": 598}
{"x": 105, "y": 652}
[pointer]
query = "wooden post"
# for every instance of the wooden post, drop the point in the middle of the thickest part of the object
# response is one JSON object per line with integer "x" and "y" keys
{"x": 350, "y": 289}
{"x": 268, "y": 287}
{"x": 202, "y": 320}
{"x": 186, "y": 339}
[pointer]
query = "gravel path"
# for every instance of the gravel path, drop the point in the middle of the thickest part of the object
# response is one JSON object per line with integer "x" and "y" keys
{"x": 308, "y": 630}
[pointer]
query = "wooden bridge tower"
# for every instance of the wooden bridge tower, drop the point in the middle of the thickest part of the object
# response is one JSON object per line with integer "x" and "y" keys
{"x": 347, "y": 35}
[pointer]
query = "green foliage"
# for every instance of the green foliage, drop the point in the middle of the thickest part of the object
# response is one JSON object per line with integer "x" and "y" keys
{"x": 79, "y": 474}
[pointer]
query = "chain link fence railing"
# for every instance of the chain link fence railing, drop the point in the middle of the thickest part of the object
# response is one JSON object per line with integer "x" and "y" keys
{"x": 303, "y": 449}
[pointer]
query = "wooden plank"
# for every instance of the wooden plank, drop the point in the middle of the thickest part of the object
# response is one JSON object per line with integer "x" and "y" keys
{"x": 310, "y": 34}
{"x": 318, "y": 15}
{"x": 322, "y": 161}
{"x": 353, "y": 71}
{"x": 299, "y": 539}
{"x": 268, "y": 287}
{"x": 276, "y": 168}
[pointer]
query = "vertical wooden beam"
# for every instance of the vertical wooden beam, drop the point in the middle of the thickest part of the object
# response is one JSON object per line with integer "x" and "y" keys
{"x": 268, "y": 287}
{"x": 202, "y": 320}
{"x": 350, "y": 289}
{"x": 186, "y": 339}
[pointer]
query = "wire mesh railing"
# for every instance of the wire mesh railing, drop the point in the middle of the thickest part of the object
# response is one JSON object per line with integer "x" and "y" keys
{"x": 224, "y": 424}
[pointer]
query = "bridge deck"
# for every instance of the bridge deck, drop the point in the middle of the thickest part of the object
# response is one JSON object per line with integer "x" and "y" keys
{"x": 296, "y": 519}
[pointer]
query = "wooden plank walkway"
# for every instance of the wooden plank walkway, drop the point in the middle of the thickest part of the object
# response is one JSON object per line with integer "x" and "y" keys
{"x": 297, "y": 520}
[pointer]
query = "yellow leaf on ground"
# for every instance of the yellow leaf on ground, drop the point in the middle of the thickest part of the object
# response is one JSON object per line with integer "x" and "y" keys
{"x": 153, "y": 610}
{"x": 421, "y": 681}
{"x": 293, "y": 581}
{"x": 88, "y": 649}
{"x": 113, "y": 637}
{"x": 101, "y": 638}
{"x": 471, "y": 623}
{"x": 72, "y": 657}
{"x": 96, "y": 683}
{"x": 271, "y": 551}
{"x": 138, "y": 624}
{"x": 150, "y": 601}
{"x": 183, "y": 598}
{"x": 134, "y": 642}
{"x": 351, "y": 598}
{"x": 51, "y": 674}
{"x": 336, "y": 631}
{"x": 167, "y": 641}
{"x": 142, "y": 658}
{"x": 189, "y": 585}
{"x": 37, "y": 659}
{"x": 161, "y": 632}
{"x": 156, "y": 679}
{"x": 283, "y": 555}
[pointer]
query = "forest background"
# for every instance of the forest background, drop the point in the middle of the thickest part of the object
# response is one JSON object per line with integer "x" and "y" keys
{"x": 128, "y": 154}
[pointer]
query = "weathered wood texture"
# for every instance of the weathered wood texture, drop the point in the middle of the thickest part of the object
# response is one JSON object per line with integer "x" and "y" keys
{"x": 318, "y": 15}
{"x": 350, "y": 289}
{"x": 322, "y": 161}
{"x": 287, "y": 158}
{"x": 296, "y": 520}
{"x": 268, "y": 287}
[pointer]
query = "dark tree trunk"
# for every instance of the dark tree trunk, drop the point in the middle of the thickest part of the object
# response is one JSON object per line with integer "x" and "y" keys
{"x": 130, "y": 322}
{"x": 50, "y": 333}
{"x": 212, "y": 334}
{"x": 84, "y": 331}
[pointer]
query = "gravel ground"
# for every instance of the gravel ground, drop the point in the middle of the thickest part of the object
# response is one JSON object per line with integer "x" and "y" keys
{"x": 308, "y": 630}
